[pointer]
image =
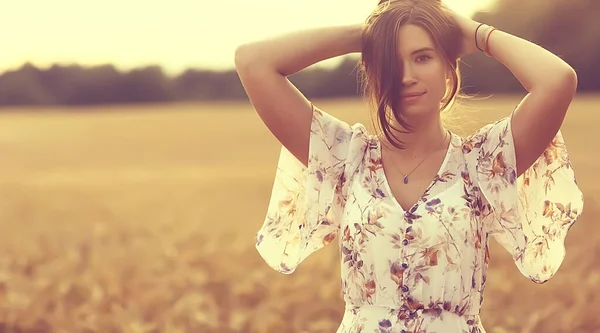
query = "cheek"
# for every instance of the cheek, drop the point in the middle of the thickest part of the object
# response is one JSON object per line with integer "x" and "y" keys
{"x": 437, "y": 84}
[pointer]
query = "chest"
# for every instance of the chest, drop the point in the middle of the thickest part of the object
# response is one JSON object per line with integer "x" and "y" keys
{"x": 376, "y": 223}
{"x": 442, "y": 212}
{"x": 409, "y": 183}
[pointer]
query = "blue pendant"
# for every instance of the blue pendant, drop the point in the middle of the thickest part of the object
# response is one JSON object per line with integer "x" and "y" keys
{"x": 406, "y": 180}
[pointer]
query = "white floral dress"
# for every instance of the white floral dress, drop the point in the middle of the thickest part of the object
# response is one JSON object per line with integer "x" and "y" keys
{"x": 423, "y": 269}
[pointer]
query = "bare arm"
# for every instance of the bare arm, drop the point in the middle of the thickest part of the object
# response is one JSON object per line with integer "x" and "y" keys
{"x": 550, "y": 81}
{"x": 263, "y": 68}
{"x": 551, "y": 84}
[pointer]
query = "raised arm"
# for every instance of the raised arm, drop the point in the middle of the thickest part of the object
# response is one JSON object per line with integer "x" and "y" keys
{"x": 551, "y": 84}
{"x": 263, "y": 67}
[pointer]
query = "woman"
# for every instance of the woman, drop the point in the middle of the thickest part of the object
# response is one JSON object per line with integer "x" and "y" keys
{"x": 413, "y": 209}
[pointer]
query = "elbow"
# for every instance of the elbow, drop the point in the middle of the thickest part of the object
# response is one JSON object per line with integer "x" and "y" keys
{"x": 249, "y": 57}
{"x": 564, "y": 84}
{"x": 571, "y": 81}
{"x": 567, "y": 81}
{"x": 242, "y": 57}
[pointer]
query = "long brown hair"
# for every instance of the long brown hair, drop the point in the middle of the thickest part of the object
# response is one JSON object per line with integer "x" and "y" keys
{"x": 380, "y": 69}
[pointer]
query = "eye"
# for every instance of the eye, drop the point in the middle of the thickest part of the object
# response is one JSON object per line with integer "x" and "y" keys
{"x": 422, "y": 58}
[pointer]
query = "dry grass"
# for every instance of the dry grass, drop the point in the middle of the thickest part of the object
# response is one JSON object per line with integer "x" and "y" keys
{"x": 144, "y": 221}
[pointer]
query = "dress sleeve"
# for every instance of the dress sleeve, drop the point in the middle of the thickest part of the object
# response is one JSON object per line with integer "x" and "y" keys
{"x": 306, "y": 203}
{"x": 530, "y": 215}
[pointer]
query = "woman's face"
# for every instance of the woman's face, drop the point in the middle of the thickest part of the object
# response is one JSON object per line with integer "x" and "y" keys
{"x": 424, "y": 72}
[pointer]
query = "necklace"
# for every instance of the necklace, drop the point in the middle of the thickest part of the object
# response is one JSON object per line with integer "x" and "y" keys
{"x": 423, "y": 160}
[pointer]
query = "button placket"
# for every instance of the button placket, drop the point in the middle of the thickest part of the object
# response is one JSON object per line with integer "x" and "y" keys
{"x": 405, "y": 241}
{"x": 408, "y": 217}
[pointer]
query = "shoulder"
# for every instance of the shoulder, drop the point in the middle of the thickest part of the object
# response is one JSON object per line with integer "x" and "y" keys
{"x": 488, "y": 135}
{"x": 336, "y": 144}
{"x": 361, "y": 146}
{"x": 337, "y": 130}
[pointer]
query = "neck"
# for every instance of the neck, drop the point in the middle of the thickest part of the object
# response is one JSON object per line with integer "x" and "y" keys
{"x": 426, "y": 136}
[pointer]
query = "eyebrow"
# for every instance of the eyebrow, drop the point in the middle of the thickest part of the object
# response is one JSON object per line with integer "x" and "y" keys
{"x": 422, "y": 50}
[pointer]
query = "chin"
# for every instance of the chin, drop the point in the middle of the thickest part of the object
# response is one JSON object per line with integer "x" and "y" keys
{"x": 417, "y": 110}
{"x": 419, "y": 115}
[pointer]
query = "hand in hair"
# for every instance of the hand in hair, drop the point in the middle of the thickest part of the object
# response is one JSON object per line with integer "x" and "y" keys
{"x": 465, "y": 24}
{"x": 468, "y": 28}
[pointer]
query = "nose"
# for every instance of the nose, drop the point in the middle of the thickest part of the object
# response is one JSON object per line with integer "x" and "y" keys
{"x": 408, "y": 77}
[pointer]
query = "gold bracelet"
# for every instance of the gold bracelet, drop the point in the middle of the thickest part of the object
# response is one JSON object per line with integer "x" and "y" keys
{"x": 487, "y": 43}
{"x": 482, "y": 38}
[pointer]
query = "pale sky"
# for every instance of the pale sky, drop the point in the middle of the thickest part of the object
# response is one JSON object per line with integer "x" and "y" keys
{"x": 176, "y": 34}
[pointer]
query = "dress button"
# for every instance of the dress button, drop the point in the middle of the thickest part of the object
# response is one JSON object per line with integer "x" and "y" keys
{"x": 404, "y": 265}
{"x": 405, "y": 288}
{"x": 405, "y": 242}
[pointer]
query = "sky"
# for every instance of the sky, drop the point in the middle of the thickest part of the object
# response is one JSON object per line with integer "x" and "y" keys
{"x": 175, "y": 34}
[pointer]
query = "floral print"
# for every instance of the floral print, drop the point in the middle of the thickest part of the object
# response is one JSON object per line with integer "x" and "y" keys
{"x": 419, "y": 269}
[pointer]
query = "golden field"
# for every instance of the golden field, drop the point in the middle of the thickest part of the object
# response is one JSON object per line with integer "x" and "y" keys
{"x": 142, "y": 219}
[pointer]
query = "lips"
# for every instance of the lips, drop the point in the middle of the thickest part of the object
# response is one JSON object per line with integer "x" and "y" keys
{"x": 413, "y": 94}
{"x": 411, "y": 98}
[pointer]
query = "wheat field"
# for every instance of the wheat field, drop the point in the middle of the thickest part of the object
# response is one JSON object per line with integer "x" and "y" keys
{"x": 142, "y": 219}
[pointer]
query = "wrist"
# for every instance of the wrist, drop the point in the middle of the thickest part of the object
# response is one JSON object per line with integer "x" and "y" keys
{"x": 478, "y": 37}
{"x": 481, "y": 37}
{"x": 356, "y": 35}
{"x": 468, "y": 28}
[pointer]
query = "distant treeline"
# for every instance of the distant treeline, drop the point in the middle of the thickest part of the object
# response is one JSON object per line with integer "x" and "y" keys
{"x": 569, "y": 28}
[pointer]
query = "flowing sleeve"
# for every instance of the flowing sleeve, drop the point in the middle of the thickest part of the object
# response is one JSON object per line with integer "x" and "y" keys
{"x": 306, "y": 203}
{"x": 531, "y": 215}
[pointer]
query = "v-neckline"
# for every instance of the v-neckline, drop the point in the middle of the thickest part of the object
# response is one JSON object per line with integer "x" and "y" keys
{"x": 388, "y": 188}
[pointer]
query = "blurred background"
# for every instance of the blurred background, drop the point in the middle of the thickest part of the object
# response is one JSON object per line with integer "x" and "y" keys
{"x": 134, "y": 173}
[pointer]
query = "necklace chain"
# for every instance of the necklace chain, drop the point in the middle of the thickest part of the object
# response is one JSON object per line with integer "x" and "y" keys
{"x": 423, "y": 160}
